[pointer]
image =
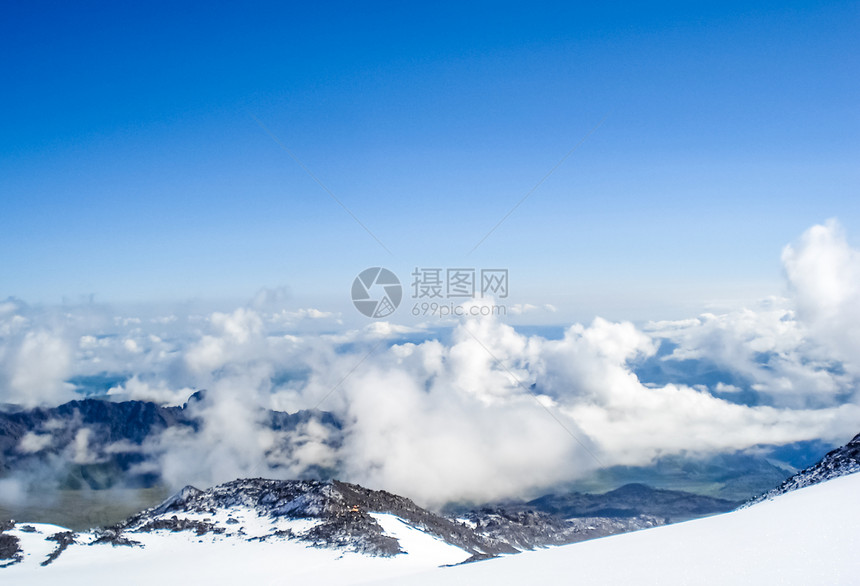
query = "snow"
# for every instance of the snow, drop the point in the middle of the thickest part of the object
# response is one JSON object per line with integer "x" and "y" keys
{"x": 183, "y": 558}
{"x": 34, "y": 545}
{"x": 809, "y": 536}
{"x": 186, "y": 558}
{"x": 250, "y": 521}
{"x": 428, "y": 548}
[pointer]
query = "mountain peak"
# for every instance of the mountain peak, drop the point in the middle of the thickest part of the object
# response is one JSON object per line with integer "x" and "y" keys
{"x": 324, "y": 513}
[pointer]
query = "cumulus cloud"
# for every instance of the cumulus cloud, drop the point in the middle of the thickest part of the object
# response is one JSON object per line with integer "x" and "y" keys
{"x": 767, "y": 348}
{"x": 135, "y": 389}
{"x": 34, "y": 366}
{"x": 824, "y": 274}
{"x": 80, "y": 448}
{"x": 480, "y": 412}
{"x": 32, "y": 442}
{"x": 450, "y": 422}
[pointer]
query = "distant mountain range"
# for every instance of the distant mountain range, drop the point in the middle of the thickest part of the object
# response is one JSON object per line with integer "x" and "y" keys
{"x": 113, "y": 434}
{"x": 44, "y": 444}
{"x": 116, "y": 433}
{"x": 350, "y": 519}
{"x": 347, "y": 517}
{"x": 732, "y": 476}
{"x": 631, "y": 500}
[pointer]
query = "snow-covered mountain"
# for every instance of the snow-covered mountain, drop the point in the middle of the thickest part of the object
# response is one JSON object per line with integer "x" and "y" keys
{"x": 328, "y": 514}
{"x": 808, "y": 536}
{"x": 839, "y": 462}
{"x": 332, "y": 532}
{"x": 333, "y": 515}
{"x": 251, "y": 531}
{"x": 98, "y": 444}
{"x": 287, "y": 527}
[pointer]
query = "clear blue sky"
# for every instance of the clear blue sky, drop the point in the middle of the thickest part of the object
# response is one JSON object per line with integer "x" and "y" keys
{"x": 132, "y": 167}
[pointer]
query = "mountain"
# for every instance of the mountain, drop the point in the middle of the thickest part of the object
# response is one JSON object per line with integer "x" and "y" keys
{"x": 808, "y": 536}
{"x": 112, "y": 436}
{"x": 633, "y": 500}
{"x": 525, "y": 529}
{"x": 839, "y": 462}
{"x": 323, "y": 522}
{"x": 118, "y": 440}
{"x": 568, "y": 517}
{"x": 260, "y": 531}
{"x": 334, "y": 514}
{"x": 730, "y": 476}
{"x": 351, "y": 519}
{"x": 284, "y": 520}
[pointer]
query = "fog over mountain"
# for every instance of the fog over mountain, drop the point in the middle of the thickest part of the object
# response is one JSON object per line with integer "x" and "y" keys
{"x": 476, "y": 413}
{"x": 384, "y": 532}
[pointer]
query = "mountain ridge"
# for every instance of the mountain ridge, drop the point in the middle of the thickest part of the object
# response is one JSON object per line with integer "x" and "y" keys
{"x": 841, "y": 461}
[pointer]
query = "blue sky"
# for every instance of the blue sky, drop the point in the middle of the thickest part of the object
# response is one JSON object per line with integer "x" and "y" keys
{"x": 132, "y": 167}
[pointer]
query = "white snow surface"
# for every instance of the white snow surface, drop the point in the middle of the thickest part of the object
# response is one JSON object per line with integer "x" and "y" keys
{"x": 186, "y": 558}
{"x": 428, "y": 548}
{"x": 809, "y": 536}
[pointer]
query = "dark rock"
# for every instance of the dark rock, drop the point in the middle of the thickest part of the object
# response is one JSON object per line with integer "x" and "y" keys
{"x": 839, "y": 462}
{"x": 10, "y": 547}
{"x": 64, "y": 539}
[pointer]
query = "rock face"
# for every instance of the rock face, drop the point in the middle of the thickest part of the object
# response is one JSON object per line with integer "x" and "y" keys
{"x": 838, "y": 462}
{"x": 63, "y": 539}
{"x": 530, "y": 529}
{"x": 10, "y": 551}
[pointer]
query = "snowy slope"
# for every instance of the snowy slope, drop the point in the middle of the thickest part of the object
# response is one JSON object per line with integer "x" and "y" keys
{"x": 251, "y": 529}
{"x": 808, "y": 536}
{"x": 185, "y": 558}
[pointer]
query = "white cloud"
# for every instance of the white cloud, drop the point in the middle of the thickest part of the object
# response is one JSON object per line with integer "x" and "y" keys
{"x": 466, "y": 416}
{"x": 33, "y": 443}
{"x": 824, "y": 274}
{"x": 80, "y": 448}
{"x": 724, "y": 388}
{"x": 766, "y": 346}
{"x": 34, "y": 367}
{"x": 286, "y": 317}
{"x": 130, "y": 345}
{"x": 135, "y": 389}
{"x": 521, "y": 308}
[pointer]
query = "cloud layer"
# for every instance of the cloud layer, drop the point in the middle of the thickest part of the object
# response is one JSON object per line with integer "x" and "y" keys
{"x": 478, "y": 413}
